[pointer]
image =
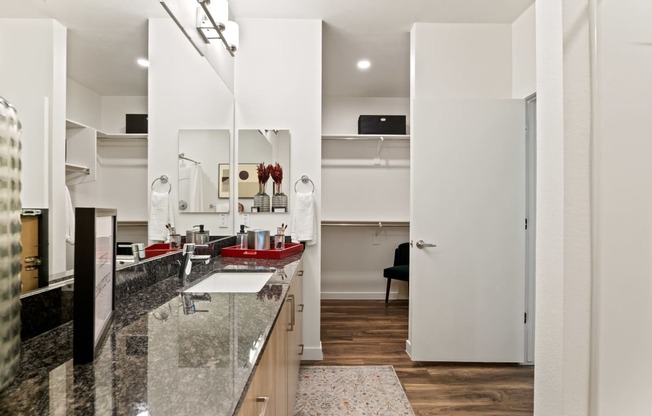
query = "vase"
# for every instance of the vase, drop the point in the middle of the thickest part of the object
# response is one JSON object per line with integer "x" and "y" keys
{"x": 279, "y": 199}
{"x": 10, "y": 229}
{"x": 261, "y": 199}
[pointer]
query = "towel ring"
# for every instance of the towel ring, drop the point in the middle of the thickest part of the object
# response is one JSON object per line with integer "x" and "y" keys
{"x": 164, "y": 179}
{"x": 304, "y": 179}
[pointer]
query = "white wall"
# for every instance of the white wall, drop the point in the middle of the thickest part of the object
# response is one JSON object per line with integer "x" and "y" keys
{"x": 286, "y": 95}
{"x": 123, "y": 178}
{"x": 563, "y": 288}
{"x": 622, "y": 257}
{"x": 524, "y": 54}
{"x": 184, "y": 93}
{"x": 212, "y": 148}
{"x": 462, "y": 61}
{"x": 114, "y": 109}
{"x": 83, "y": 105}
{"x": 104, "y": 113}
{"x": 34, "y": 80}
{"x": 340, "y": 114}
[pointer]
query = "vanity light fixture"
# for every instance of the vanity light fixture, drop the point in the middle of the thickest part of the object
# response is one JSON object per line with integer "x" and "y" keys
{"x": 213, "y": 23}
{"x": 143, "y": 62}
{"x": 364, "y": 64}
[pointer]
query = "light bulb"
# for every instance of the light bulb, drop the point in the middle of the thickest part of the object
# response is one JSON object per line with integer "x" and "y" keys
{"x": 364, "y": 64}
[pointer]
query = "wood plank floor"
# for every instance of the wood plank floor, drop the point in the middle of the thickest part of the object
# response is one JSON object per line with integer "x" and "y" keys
{"x": 355, "y": 332}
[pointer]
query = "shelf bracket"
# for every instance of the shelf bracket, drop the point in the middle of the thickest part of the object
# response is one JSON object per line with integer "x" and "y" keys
{"x": 378, "y": 149}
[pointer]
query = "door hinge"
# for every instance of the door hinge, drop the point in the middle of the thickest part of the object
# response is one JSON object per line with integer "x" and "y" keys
{"x": 525, "y": 318}
{"x": 526, "y": 223}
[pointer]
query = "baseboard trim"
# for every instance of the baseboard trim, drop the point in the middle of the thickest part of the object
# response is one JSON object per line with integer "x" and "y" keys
{"x": 358, "y": 295}
{"x": 312, "y": 353}
{"x": 408, "y": 348}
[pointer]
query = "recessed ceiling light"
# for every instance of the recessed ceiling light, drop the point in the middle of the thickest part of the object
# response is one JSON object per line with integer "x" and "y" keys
{"x": 364, "y": 64}
{"x": 143, "y": 62}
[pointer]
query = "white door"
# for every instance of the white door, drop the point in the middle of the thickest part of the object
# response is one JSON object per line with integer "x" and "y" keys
{"x": 468, "y": 198}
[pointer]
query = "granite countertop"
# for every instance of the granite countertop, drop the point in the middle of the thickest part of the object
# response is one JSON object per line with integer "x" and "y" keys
{"x": 156, "y": 360}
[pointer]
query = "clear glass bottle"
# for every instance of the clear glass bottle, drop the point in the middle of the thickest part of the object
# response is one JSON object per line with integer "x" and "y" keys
{"x": 241, "y": 238}
{"x": 279, "y": 239}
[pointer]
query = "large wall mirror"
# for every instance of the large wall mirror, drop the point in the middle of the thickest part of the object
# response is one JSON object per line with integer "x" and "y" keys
{"x": 202, "y": 155}
{"x": 98, "y": 93}
{"x": 263, "y": 170}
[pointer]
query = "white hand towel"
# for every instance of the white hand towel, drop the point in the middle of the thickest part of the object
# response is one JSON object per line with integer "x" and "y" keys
{"x": 160, "y": 214}
{"x": 196, "y": 203}
{"x": 304, "y": 224}
{"x": 70, "y": 217}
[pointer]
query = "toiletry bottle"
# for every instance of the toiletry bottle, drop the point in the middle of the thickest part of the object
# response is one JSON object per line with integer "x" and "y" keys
{"x": 241, "y": 238}
{"x": 201, "y": 236}
{"x": 279, "y": 239}
{"x": 190, "y": 236}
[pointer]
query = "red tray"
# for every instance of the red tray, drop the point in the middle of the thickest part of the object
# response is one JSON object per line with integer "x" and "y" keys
{"x": 158, "y": 249}
{"x": 290, "y": 249}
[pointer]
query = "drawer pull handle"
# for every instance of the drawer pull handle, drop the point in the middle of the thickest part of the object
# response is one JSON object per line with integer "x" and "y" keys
{"x": 302, "y": 347}
{"x": 300, "y": 273}
{"x": 301, "y": 307}
{"x": 292, "y": 317}
{"x": 265, "y": 401}
{"x": 33, "y": 259}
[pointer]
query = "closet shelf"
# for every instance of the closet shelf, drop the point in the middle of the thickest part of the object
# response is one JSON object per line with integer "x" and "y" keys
{"x": 352, "y": 137}
{"x": 142, "y": 223}
{"x": 120, "y": 136}
{"x": 379, "y": 224}
{"x": 70, "y": 124}
{"x": 70, "y": 167}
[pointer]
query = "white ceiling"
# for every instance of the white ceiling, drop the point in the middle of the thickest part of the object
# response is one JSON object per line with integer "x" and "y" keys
{"x": 106, "y": 36}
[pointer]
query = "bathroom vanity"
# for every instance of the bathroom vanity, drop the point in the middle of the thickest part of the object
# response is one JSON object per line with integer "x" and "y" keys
{"x": 174, "y": 350}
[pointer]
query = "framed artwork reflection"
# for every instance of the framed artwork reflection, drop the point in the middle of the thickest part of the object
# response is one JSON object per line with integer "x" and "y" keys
{"x": 247, "y": 180}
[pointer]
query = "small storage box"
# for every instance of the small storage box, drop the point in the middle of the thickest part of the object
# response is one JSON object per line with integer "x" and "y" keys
{"x": 381, "y": 125}
{"x": 136, "y": 123}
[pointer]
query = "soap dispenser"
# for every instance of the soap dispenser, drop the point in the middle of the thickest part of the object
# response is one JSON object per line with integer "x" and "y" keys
{"x": 241, "y": 238}
{"x": 201, "y": 236}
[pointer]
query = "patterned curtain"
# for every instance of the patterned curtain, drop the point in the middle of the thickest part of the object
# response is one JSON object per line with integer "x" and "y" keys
{"x": 10, "y": 248}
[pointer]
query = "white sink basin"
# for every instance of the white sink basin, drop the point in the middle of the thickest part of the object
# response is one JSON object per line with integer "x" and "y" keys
{"x": 231, "y": 283}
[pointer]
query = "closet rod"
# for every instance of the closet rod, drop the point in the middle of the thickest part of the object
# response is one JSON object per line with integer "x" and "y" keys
{"x": 379, "y": 224}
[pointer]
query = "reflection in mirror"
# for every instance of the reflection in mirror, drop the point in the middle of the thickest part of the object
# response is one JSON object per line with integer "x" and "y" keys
{"x": 263, "y": 188}
{"x": 201, "y": 155}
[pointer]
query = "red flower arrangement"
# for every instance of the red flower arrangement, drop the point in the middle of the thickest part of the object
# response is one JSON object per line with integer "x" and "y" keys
{"x": 263, "y": 173}
{"x": 276, "y": 172}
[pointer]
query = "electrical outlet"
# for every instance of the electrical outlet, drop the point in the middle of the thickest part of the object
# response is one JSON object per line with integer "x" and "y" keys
{"x": 245, "y": 219}
{"x": 222, "y": 221}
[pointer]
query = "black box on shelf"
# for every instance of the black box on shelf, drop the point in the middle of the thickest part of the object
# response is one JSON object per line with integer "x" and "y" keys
{"x": 136, "y": 123}
{"x": 381, "y": 125}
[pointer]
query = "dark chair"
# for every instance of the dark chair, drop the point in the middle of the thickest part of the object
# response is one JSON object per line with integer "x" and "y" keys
{"x": 401, "y": 268}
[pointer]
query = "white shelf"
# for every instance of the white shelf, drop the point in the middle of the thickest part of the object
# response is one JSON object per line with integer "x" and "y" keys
{"x": 120, "y": 136}
{"x": 352, "y": 137}
{"x": 356, "y": 223}
{"x": 132, "y": 223}
{"x": 71, "y": 167}
{"x": 70, "y": 124}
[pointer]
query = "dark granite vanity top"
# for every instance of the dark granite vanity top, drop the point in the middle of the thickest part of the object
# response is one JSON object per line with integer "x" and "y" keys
{"x": 156, "y": 360}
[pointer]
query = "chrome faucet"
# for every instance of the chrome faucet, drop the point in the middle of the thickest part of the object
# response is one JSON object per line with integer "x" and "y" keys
{"x": 189, "y": 257}
{"x": 188, "y": 301}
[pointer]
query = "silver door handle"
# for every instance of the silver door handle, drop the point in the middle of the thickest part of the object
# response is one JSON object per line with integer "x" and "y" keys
{"x": 421, "y": 244}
